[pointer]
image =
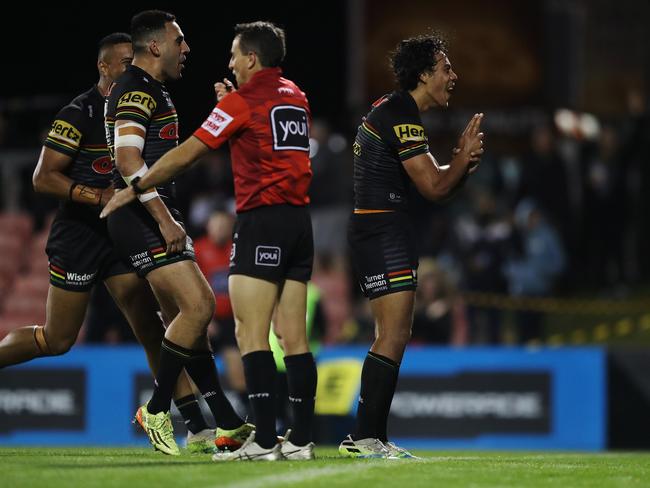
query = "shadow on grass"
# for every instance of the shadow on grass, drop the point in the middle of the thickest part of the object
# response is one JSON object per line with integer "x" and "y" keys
{"x": 72, "y": 452}
{"x": 139, "y": 464}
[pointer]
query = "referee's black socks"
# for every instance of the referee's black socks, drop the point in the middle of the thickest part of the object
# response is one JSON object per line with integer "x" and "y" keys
{"x": 301, "y": 378}
{"x": 378, "y": 382}
{"x": 260, "y": 371}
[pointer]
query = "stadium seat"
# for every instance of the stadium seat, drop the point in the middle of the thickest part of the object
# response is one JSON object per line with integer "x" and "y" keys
{"x": 10, "y": 242}
{"x": 11, "y": 321}
{"x": 32, "y": 284}
{"x": 9, "y": 267}
{"x": 25, "y": 303}
{"x": 335, "y": 300}
{"x": 16, "y": 223}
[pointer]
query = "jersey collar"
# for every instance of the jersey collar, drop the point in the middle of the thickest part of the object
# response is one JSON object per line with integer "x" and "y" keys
{"x": 140, "y": 72}
{"x": 265, "y": 74}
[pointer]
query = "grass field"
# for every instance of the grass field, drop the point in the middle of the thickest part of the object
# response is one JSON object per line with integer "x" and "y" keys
{"x": 135, "y": 468}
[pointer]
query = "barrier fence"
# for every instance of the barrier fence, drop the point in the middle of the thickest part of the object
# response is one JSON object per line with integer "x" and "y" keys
{"x": 488, "y": 398}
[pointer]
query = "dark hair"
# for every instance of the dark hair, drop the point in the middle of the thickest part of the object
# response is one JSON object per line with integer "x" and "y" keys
{"x": 145, "y": 24}
{"x": 264, "y": 39}
{"x": 111, "y": 40}
{"x": 415, "y": 56}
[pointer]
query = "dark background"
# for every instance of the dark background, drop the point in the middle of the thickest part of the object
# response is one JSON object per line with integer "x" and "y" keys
{"x": 55, "y": 49}
{"x": 509, "y": 54}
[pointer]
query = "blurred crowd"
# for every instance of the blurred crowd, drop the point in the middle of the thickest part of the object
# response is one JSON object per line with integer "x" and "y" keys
{"x": 563, "y": 214}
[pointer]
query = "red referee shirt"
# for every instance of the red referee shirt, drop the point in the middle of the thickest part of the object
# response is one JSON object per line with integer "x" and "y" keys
{"x": 266, "y": 123}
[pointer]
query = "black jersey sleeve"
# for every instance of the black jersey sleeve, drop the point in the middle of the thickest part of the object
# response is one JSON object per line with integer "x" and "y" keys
{"x": 67, "y": 130}
{"x": 400, "y": 127}
{"x": 136, "y": 103}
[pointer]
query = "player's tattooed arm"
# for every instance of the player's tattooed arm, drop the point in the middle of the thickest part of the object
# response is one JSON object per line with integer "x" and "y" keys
{"x": 49, "y": 177}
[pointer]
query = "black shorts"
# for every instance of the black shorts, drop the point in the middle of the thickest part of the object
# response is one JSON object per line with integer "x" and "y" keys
{"x": 80, "y": 252}
{"x": 273, "y": 243}
{"x": 138, "y": 240}
{"x": 384, "y": 253}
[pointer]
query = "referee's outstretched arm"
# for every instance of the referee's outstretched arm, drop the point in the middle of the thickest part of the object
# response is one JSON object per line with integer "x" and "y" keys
{"x": 169, "y": 165}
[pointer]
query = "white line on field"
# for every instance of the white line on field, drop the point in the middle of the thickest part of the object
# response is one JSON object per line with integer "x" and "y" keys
{"x": 287, "y": 478}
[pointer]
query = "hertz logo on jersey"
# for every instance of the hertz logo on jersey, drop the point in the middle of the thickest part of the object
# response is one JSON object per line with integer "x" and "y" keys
{"x": 409, "y": 132}
{"x": 138, "y": 100}
{"x": 66, "y": 132}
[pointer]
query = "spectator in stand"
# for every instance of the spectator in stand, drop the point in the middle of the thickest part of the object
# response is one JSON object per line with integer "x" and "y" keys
{"x": 205, "y": 188}
{"x": 635, "y": 138}
{"x": 481, "y": 242}
{"x": 544, "y": 179}
{"x": 440, "y": 315}
{"x": 605, "y": 216}
{"x": 213, "y": 257}
{"x": 331, "y": 190}
{"x": 535, "y": 272}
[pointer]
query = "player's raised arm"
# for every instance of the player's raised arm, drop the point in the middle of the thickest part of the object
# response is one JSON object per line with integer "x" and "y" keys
{"x": 436, "y": 182}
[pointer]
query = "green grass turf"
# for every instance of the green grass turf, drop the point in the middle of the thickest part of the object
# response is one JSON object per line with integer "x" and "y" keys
{"x": 134, "y": 468}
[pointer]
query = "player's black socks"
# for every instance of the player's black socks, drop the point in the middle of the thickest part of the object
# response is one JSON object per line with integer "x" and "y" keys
{"x": 172, "y": 360}
{"x": 387, "y": 399}
{"x": 260, "y": 371}
{"x": 243, "y": 399}
{"x": 301, "y": 377}
{"x": 189, "y": 408}
{"x": 203, "y": 372}
{"x": 378, "y": 382}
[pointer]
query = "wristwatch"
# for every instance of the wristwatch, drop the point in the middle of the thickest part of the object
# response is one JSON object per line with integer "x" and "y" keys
{"x": 134, "y": 184}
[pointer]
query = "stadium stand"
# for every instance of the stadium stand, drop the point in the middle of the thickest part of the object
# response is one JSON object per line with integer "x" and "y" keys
{"x": 23, "y": 282}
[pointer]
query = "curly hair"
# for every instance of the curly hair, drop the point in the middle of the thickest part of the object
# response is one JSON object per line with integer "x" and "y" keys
{"x": 415, "y": 56}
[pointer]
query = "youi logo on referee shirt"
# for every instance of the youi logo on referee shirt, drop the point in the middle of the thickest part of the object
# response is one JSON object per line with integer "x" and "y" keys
{"x": 290, "y": 128}
{"x": 267, "y": 255}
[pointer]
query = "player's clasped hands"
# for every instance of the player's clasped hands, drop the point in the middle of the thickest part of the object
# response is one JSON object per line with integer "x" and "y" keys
{"x": 471, "y": 141}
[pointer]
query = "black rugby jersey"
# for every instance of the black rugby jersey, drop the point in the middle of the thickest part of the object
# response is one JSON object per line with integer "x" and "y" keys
{"x": 392, "y": 132}
{"x": 138, "y": 97}
{"x": 78, "y": 132}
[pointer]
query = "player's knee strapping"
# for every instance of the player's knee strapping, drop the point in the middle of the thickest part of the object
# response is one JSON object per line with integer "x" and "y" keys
{"x": 41, "y": 342}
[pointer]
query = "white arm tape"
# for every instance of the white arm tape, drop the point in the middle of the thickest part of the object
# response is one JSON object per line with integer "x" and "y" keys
{"x": 141, "y": 172}
{"x": 145, "y": 197}
{"x": 133, "y": 124}
{"x": 130, "y": 140}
